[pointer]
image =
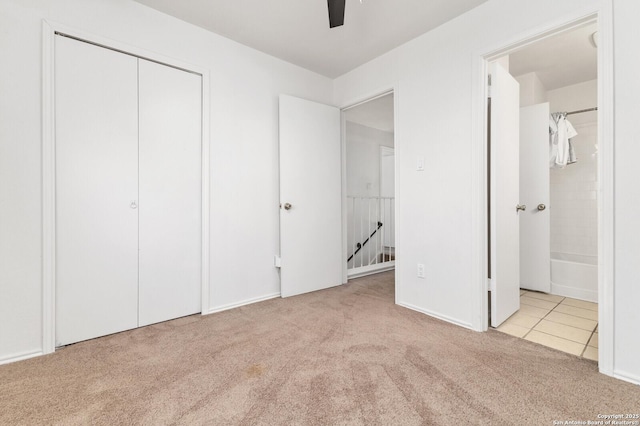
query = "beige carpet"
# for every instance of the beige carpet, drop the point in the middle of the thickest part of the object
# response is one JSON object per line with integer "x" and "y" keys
{"x": 346, "y": 355}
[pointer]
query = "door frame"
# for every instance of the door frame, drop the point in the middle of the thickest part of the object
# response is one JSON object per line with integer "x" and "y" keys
{"x": 343, "y": 140}
{"x": 604, "y": 17}
{"x": 49, "y": 30}
{"x": 384, "y": 152}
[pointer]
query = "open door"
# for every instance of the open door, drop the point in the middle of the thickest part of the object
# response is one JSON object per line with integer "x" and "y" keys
{"x": 504, "y": 198}
{"x": 310, "y": 196}
{"x": 535, "y": 224}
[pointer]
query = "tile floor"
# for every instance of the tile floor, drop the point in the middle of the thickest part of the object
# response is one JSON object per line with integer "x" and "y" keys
{"x": 562, "y": 323}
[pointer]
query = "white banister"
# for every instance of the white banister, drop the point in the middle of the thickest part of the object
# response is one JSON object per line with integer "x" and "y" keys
{"x": 371, "y": 234}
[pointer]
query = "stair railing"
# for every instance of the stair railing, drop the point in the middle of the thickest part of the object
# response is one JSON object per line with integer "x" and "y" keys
{"x": 370, "y": 234}
{"x": 360, "y": 245}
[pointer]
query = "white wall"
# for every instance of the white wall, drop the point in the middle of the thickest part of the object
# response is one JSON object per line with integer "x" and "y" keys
{"x": 574, "y": 204}
{"x": 363, "y": 158}
{"x": 434, "y": 96}
{"x": 245, "y": 85}
{"x": 434, "y": 82}
{"x": 532, "y": 91}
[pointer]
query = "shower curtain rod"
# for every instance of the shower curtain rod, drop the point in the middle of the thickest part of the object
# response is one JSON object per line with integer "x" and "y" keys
{"x": 582, "y": 110}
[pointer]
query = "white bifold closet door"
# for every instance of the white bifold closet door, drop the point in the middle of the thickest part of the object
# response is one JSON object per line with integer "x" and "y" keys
{"x": 170, "y": 192}
{"x": 128, "y": 191}
{"x": 96, "y": 105}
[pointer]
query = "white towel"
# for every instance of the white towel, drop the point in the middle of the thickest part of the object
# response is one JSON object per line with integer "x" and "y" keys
{"x": 561, "y": 151}
{"x": 572, "y": 153}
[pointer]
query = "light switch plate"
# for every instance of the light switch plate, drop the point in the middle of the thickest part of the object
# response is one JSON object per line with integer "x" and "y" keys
{"x": 420, "y": 270}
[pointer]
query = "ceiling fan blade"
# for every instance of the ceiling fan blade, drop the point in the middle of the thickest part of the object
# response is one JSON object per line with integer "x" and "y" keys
{"x": 336, "y": 13}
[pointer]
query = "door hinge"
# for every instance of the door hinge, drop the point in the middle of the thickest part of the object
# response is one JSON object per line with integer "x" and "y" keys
{"x": 489, "y": 91}
{"x": 276, "y": 261}
{"x": 491, "y": 284}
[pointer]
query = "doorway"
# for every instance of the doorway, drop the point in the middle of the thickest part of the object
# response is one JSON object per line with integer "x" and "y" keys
{"x": 553, "y": 298}
{"x": 369, "y": 161}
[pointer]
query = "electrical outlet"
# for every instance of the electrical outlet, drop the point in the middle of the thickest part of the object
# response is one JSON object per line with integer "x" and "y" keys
{"x": 420, "y": 270}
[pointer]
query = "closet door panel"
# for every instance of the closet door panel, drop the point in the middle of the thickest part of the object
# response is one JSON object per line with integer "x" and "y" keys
{"x": 96, "y": 182}
{"x": 170, "y": 192}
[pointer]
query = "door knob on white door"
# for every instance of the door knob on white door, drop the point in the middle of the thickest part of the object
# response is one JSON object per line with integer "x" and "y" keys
{"x": 133, "y": 204}
{"x": 287, "y": 206}
{"x": 541, "y": 207}
{"x": 521, "y": 207}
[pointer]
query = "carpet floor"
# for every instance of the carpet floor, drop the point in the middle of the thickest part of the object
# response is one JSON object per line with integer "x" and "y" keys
{"x": 345, "y": 355}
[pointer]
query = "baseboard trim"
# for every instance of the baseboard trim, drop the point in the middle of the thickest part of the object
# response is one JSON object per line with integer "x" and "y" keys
{"x": 438, "y": 316}
{"x": 370, "y": 270}
{"x": 20, "y": 357}
{"x": 241, "y": 303}
{"x": 627, "y": 377}
{"x": 573, "y": 292}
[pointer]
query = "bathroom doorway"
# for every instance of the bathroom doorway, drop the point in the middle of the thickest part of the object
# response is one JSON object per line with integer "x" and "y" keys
{"x": 556, "y": 212}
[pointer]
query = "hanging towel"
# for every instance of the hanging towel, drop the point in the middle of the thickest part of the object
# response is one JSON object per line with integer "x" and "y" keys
{"x": 572, "y": 152}
{"x": 561, "y": 150}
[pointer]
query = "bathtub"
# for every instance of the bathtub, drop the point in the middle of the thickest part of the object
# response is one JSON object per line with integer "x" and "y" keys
{"x": 574, "y": 275}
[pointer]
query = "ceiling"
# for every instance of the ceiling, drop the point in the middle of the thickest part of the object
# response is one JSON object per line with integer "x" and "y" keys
{"x": 298, "y": 31}
{"x": 559, "y": 61}
{"x": 377, "y": 113}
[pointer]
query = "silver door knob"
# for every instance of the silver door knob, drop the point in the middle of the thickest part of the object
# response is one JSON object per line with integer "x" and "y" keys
{"x": 521, "y": 207}
{"x": 541, "y": 207}
{"x": 287, "y": 206}
{"x": 133, "y": 205}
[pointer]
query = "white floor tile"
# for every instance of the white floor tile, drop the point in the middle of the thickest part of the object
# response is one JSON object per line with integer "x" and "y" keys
{"x": 523, "y": 320}
{"x": 557, "y": 322}
{"x": 538, "y": 303}
{"x": 512, "y": 329}
{"x": 580, "y": 304}
{"x": 533, "y": 311}
{"x": 558, "y": 343}
{"x": 573, "y": 321}
{"x": 565, "y": 331}
{"x": 591, "y": 353}
{"x": 544, "y": 296}
{"x": 578, "y": 312}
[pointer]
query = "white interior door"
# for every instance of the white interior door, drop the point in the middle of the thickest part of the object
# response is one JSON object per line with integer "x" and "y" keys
{"x": 535, "y": 244}
{"x": 310, "y": 196}
{"x": 96, "y": 186}
{"x": 170, "y": 192}
{"x": 504, "y": 180}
